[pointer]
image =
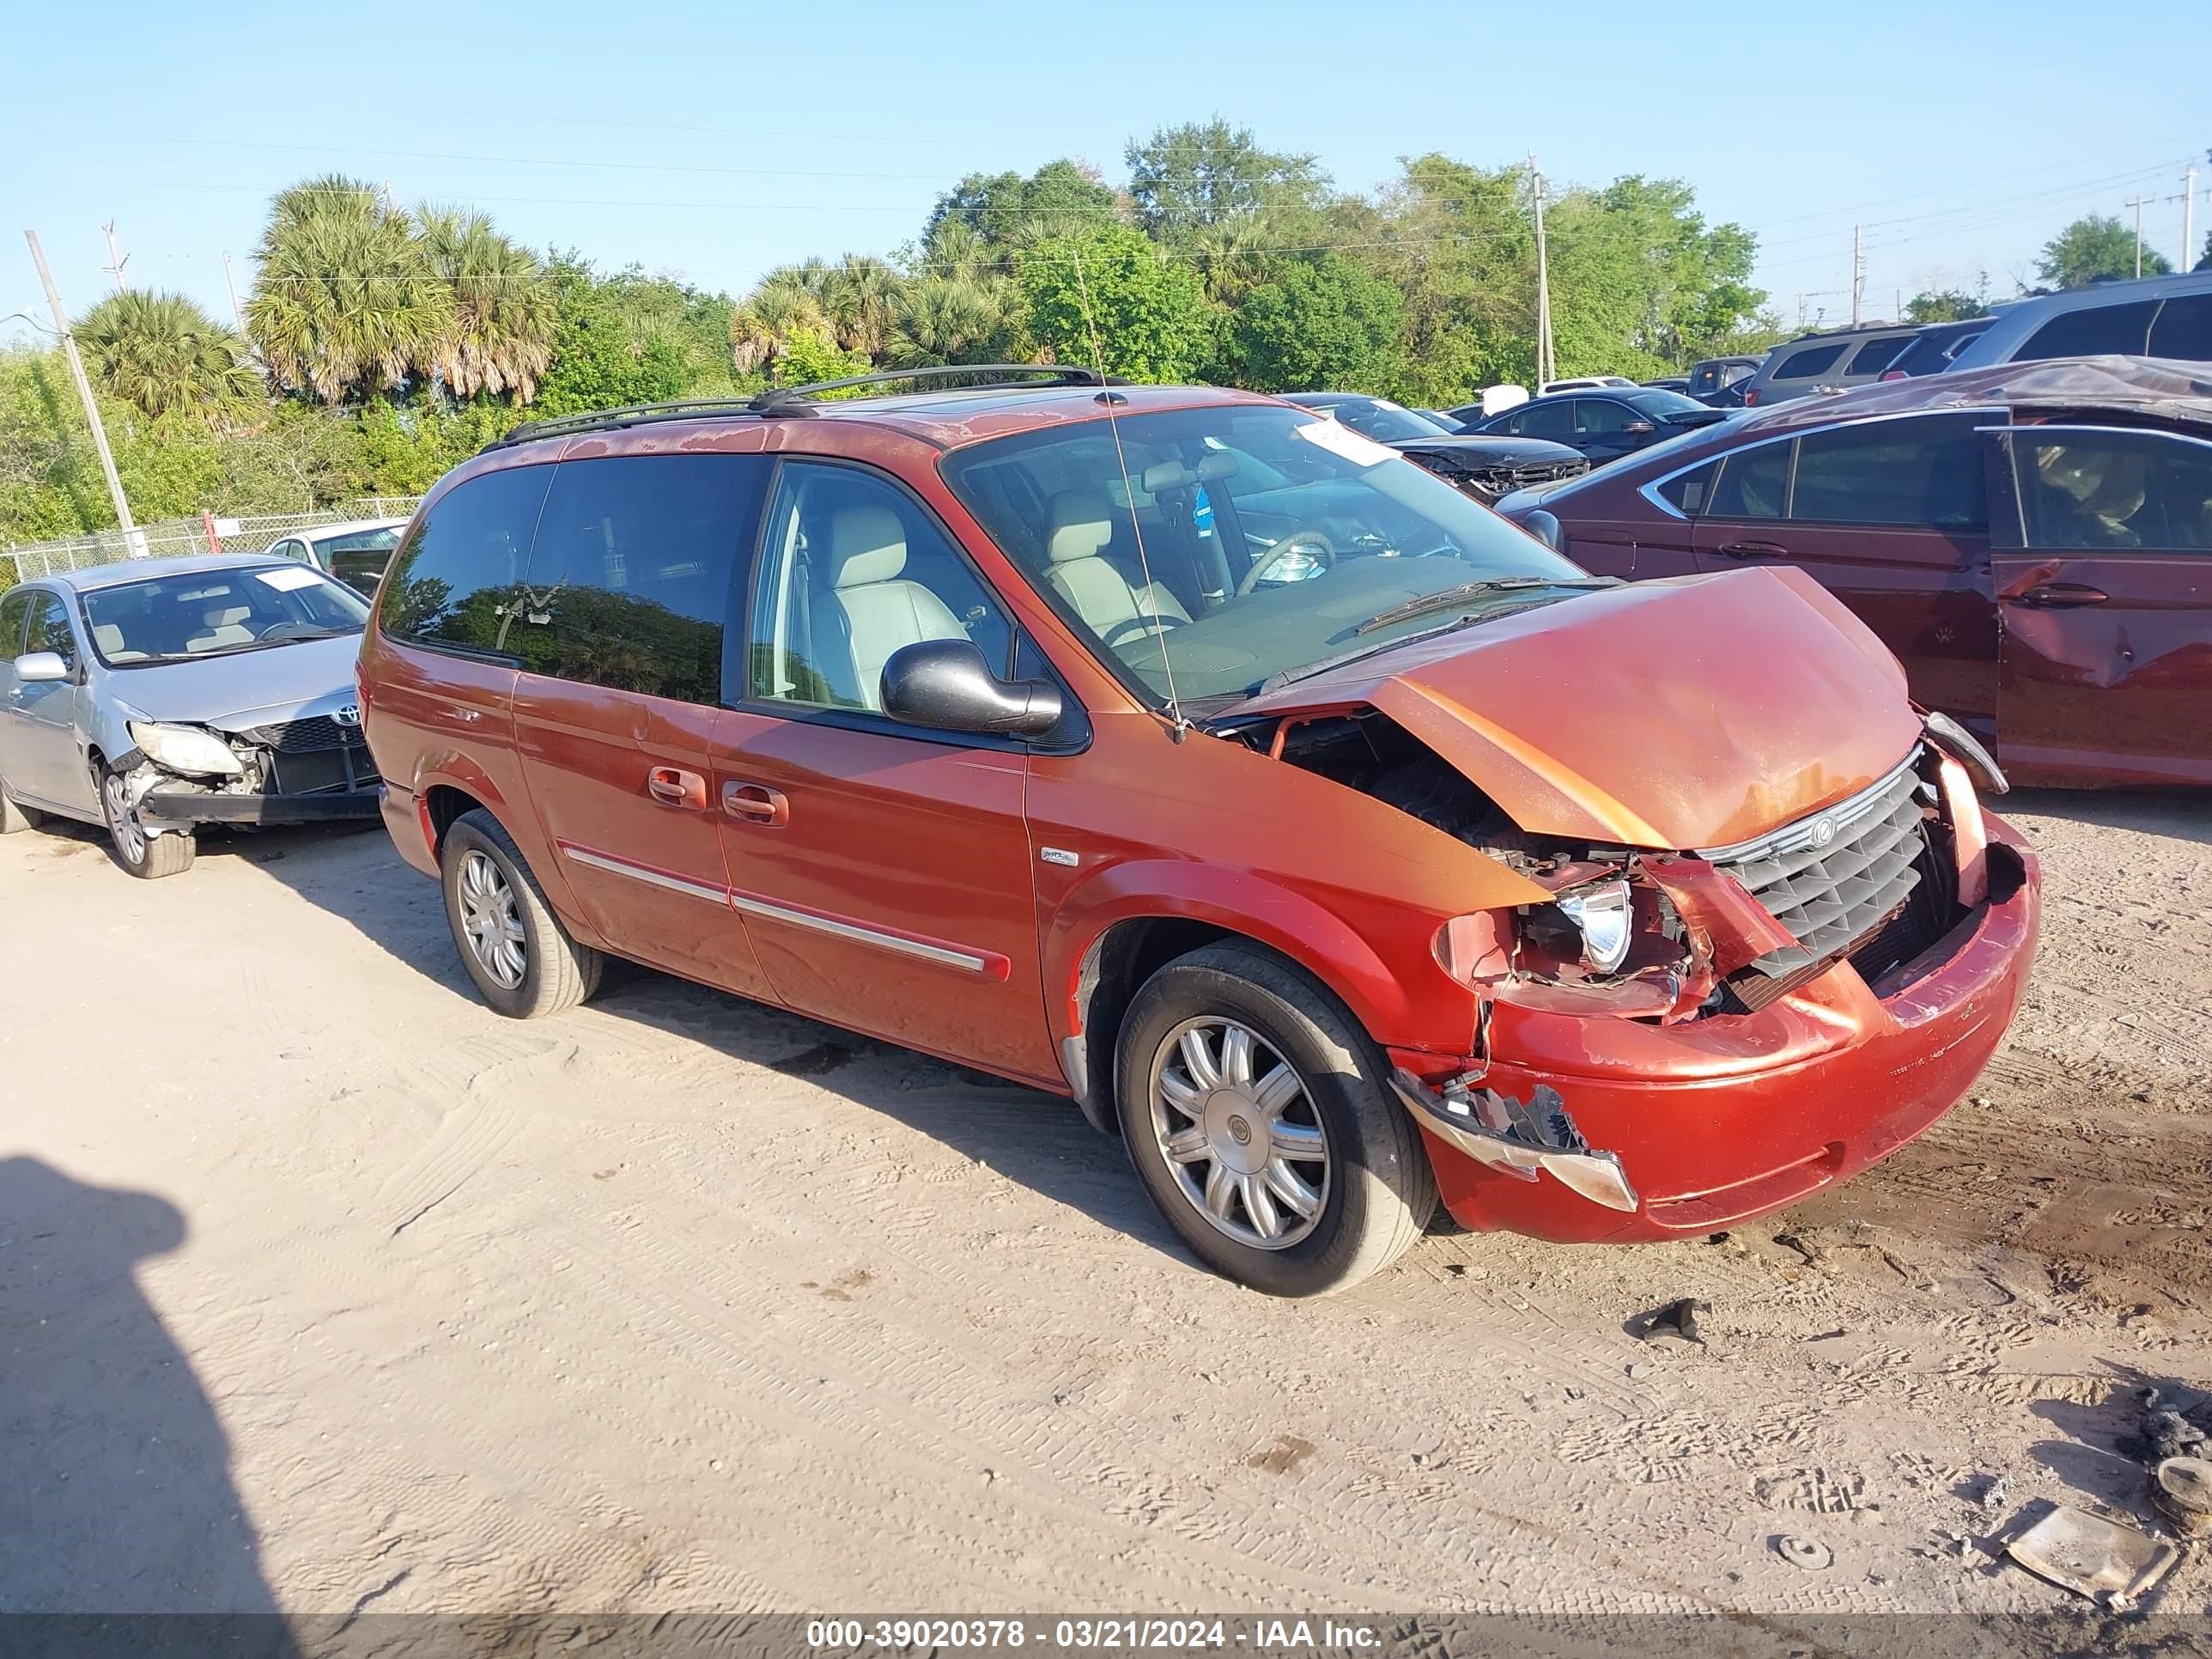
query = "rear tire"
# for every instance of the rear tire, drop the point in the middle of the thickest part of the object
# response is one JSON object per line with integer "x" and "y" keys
{"x": 1338, "y": 1182}
{"x": 522, "y": 960}
{"x": 137, "y": 853}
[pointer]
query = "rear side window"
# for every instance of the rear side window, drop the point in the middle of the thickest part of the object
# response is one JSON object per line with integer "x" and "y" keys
{"x": 1598, "y": 415}
{"x": 632, "y": 571}
{"x": 1545, "y": 419}
{"x": 1813, "y": 360}
{"x": 2183, "y": 329}
{"x": 50, "y": 628}
{"x": 455, "y": 585}
{"x": 2091, "y": 331}
{"x": 1876, "y": 356}
{"x": 1688, "y": 494}
{"x": 1754, "y": 483}
{"x": 1895, "y": 472}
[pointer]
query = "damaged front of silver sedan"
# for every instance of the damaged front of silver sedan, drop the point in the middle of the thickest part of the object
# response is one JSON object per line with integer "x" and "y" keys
{"x": 170, "y": 694}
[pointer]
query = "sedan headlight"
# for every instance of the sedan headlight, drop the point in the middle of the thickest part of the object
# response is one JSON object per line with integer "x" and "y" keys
{"x": 1605, "y": 916}
{"x": 184, "y": 749}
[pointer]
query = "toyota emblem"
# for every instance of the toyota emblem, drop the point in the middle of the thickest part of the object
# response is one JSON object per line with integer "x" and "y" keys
{"x": 351, "y": 715}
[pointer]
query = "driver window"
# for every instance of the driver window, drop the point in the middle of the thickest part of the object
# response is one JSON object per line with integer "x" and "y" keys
{"x": 49, "y": 629}
{"x": 853, "y": 570}
{"x": 1547, "y": 420}
{"x": 1601, "y": 415}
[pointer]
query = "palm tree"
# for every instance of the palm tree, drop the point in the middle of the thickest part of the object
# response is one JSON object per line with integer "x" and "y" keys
{"x": 858, "y": 294}
{"x": 345, "y": 303}
{"x": 952, "y": 320}
{"x": 780, "y": 308}
{"x": 163, "y": 353}
{"x": 501, "y": 335}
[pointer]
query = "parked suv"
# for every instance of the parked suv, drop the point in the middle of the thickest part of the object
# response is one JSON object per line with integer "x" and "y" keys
{"x": 1827, "y": 363}
{"x": 1443, "y": 869}
{"x": 2157, "y": 317}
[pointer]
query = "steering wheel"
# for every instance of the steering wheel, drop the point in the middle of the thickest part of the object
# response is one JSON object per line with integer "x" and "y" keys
{"x": 1298, "y": 541}
{"x": 1138, "y": 627}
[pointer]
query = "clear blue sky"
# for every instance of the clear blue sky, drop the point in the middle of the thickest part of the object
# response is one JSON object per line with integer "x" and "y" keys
{"x": 710, "y": 141}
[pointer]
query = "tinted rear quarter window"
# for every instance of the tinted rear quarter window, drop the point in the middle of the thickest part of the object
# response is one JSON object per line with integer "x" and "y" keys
{"x": 456, "y": 583}
{"x": 1688, "y": 492}
{"x": 1754, "y": 482}
{"x": 1892, "y": 472}
{"x": 631, "y": 573}
{"x": 1803, "y": 365}
{"x": 2183, "y": 329}
{"x": 2091, "y": 331}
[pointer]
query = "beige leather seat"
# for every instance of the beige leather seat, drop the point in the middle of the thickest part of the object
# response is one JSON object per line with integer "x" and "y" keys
{"x": 221, "y": 627}
{"x": 872, "y": 609}
{"x": 1082, "y": 526}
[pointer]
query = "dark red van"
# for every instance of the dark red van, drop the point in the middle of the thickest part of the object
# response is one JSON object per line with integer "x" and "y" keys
{"x": 1329, "y": 839}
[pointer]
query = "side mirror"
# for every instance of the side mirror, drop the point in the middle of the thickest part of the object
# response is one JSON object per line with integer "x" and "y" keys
{"x": 1639, "y": 428}
{"x": 947, "y": 684}
{"x": 38, "y": 666}
{"x": 1545, "y": 527}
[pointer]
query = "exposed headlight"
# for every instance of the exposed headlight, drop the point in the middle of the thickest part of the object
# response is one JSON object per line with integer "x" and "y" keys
{"x": 1604, "y": 915}
{"x": 184, "y": 749}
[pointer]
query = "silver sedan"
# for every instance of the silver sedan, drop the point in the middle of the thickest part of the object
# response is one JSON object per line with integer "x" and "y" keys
{"x": 157, "y": 696}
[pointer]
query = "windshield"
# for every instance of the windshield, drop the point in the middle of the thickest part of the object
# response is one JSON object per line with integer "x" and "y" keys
{"x": 1383, "y": 421}
{"x": 1659, "y": 404}
{"x": 1262, "y": 540}
{"x": 360, "y": 541}
{"x": 215, "y": 613}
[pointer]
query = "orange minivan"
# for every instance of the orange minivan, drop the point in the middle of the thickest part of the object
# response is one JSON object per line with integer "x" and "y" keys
{"x": 1333, "y": 842}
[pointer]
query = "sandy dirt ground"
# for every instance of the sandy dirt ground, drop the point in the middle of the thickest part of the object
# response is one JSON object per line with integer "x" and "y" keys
{"x": 322, "y": 1287}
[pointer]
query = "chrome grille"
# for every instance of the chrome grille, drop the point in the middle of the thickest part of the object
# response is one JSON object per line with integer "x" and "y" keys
{"x": 1837, "y": 876}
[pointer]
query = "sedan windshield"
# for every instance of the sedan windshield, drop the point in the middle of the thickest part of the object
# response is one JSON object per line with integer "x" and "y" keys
{"x": 213, "y": 613}
{"x": 1216, "y": 549}
{"x": 1382, "y": 420}
{"x": 1659, "y": 404}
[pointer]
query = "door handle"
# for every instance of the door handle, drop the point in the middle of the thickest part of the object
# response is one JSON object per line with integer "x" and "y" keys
{"x": 756, "y": 802}
{"x": 1753, "y": 550}
{"x": 2060, "y": 596}
{"x": 673, "y": 786}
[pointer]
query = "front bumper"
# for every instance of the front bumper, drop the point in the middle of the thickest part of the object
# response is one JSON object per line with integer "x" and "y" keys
{"x": 167, "y": 809}
{"x": 1718, "y": 1121}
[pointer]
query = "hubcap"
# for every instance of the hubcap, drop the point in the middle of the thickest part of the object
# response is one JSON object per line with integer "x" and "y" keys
{"x": 122, "y": 822}
{"x": 1239, "y": 1132}
{"x": 489, "y": 922}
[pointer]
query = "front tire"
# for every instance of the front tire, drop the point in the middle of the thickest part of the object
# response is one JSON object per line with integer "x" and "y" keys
{"x": 514, "y": 948}
{"x": 139, "y": 853}
{"x": 1256, "y": 1111}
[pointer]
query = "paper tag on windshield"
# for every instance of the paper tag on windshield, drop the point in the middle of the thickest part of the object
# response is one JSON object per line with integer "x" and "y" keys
{"x": 291, "y": 576}
{"x": 1341, "y": 440}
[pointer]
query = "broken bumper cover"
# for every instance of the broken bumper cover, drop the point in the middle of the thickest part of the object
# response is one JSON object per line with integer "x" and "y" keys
{"x": 1515, "y": 1141}
{"x": 180, "y": 809}
{"x": 1712, "y": 1122}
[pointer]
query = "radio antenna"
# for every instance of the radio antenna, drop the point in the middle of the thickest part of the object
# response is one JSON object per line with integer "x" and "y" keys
{"x": 1109, "y": 397}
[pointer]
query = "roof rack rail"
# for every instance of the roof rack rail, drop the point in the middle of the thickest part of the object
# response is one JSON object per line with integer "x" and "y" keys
{"x": 796, "y": 399}
{"x": 792, "y": 399}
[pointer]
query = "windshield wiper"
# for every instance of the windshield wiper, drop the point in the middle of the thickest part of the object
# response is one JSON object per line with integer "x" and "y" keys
{"x": 1306, "y": 671}
{"x": 1451, "y": 596}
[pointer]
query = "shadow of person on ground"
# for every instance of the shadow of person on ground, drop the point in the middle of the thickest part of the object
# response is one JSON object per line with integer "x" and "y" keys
{"x": 115, "y": 1487}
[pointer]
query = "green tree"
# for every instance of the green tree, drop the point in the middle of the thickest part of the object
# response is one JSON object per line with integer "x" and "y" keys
{"x": 163, "y": 355}
{"x": 957, "y": 319}
{"x": 1147, "y": 314}
{"x": 785, "y": 304}
{"x": 1200, "y": 173}
{"x": 345, "y": 304}
{"x": 1945, "y": 305}
{"x": 502, "y": 311}
{"x": 2205, "y": 263}
{"x": 858, "y": 295}
{"x": 1062, "y": 197}
{"x": 2096, "y": 246}
{"x": 810, "y": 356}
{"x": 1328, "y": 324}
{"x": 599, "y": 361}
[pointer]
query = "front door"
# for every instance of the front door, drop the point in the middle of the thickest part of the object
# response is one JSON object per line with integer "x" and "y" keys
{"x": 46, "y": 759}
{"x": 882, "y": 871}
{"x": 2104, "y": 585}
{"x": 621, "y": 628}
{"x": 1891, "y": 518}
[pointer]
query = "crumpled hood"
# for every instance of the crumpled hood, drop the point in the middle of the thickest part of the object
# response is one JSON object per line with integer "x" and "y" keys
{"x": 1687, "y": 714}
{"x": 1490, "y": 448}
{"x": 245, "y": 688}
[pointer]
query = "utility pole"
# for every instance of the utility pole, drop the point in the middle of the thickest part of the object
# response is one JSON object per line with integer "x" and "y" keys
{"x": 2137, "y": 205}
{"x": 237, "y": 311}
{"x": 131, "y": 532}
{"x": 1858, "y": 272}
{"x": 116, "y": 259}
{"x": 1544, "y": 364}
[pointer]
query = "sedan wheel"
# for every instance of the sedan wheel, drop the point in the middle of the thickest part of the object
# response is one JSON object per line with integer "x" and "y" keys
{"x": 1238, "y": 1129}
{"x": 490, "y": 922}
{"x": 149, "y": 857}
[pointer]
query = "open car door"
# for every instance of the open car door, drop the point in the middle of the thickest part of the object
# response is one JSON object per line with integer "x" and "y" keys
{"x": 2101, "y": 562}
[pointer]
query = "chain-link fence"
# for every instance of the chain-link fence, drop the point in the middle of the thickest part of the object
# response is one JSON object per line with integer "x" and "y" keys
{"x": 249, "y": 535}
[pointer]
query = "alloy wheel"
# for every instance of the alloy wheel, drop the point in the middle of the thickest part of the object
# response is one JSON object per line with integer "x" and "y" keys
{"x": 122, "y": 820}
{"x": 1240, "y": 1133}
{"x": 490, "y": 922}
